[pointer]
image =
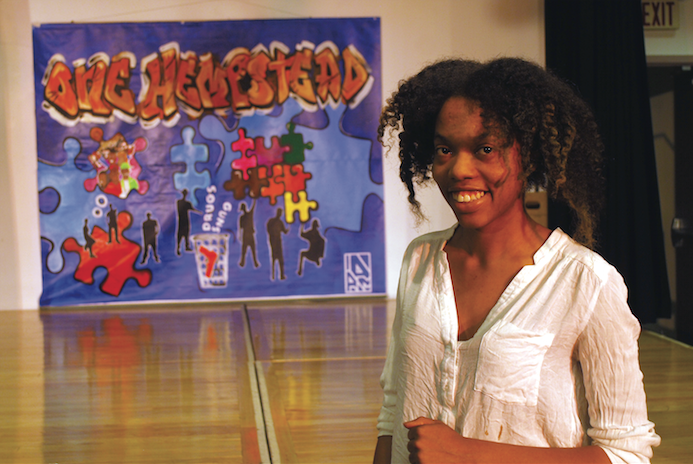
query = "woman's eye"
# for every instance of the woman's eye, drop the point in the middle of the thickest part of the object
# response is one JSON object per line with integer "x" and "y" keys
{"x": 442, "y": 151}
{"x": 486, "y": 150}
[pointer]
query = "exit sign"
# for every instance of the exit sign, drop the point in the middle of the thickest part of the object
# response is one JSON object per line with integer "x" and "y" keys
{"x": 660, "y": 15}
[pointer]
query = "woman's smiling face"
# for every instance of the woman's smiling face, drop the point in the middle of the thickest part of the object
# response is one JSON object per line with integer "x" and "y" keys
{"x": 476, "y": 170}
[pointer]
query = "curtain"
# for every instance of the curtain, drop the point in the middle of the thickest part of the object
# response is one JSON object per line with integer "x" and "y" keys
{"x": 599, "y": 46}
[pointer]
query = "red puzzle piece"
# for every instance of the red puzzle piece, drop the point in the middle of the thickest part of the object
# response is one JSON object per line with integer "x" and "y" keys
{"x": 268, "y": 156}
{"x": 243, "y": 144}
{"x": 118, "y": 258}
{"x": 295, "y": 179}
{"x": 276, "y": 187}
{"x": 244, "y": 164}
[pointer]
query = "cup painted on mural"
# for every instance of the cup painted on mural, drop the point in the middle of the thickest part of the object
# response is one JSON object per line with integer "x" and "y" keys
{"x": 212, "y": 259}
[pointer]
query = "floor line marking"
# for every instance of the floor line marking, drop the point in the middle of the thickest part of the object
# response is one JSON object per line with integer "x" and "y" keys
{"x": 269, "y": 422}
{"x": 260, "y": 424}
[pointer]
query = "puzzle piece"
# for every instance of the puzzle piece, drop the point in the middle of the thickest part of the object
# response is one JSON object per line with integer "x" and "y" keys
{"x": 236, "y": 184}
{"x": 243, "y": 144}
{"x": 244, "y": 164}
{"x": 268, "y": 156}
{"x": 117, "y": 168}
{"x": 257, "y": 179}
{"x": 214, "y": 129}
{"x": 293, "y": 142}
{"x": 275, "y": 187}
{"x": 74, "y": 204}
{"x": 235, "y": 138}
{"x": 303, "y": 207}
{"x": 118, "y": 258}
{"x": 294, "y": 179}
{"x": 341, "y": 166}
{"x": 190, "y": 153}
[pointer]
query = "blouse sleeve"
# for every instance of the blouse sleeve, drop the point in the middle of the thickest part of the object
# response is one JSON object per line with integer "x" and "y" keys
{"x": 388, "y": 379}
{"x": 608, "y": 354}
{"x": 386, "y": 418}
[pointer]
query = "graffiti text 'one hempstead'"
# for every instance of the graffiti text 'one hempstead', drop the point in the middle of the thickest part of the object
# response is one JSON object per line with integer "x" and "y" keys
{"x": 98, "y": 89}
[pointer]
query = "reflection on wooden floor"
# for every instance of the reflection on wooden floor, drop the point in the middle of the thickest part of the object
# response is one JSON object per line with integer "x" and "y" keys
{"x": 180, "y": 385}
{"x": 322, "y": 368}
{"x": 668, "y": 370}
{"x": 140, "y": 387}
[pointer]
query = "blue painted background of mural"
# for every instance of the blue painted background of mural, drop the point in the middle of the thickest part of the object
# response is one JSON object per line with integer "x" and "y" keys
{"x": 214, "y": 160}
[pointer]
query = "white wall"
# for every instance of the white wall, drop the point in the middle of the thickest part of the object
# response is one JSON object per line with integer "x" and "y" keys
{"x": 20, "y": 252}
{"x": 414, "y": 33}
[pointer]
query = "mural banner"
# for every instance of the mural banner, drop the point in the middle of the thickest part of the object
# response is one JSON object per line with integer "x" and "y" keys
{"x": 229, "y": 160}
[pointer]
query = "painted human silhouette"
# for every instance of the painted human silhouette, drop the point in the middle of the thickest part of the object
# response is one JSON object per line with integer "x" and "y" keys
{"x": 316, "y": 246}
{"x": 246, "y": 223}
{"x": 184, "y": 208}
{"x": 88, "y": 238}
{"x": 150, "y": 230}
{"x": 275, "y": 229}
{"x": 112, "y": 223}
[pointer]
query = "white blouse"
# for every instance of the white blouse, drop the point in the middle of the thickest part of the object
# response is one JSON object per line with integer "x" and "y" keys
{"x": 554, "y": 364}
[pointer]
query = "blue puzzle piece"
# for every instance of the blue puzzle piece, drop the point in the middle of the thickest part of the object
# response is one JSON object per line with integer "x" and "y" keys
{"x": 66, "y": 219}
{"x": 340, "y": 166}
{"x": 213, "y": 128}
{"x": 190, "y": 153}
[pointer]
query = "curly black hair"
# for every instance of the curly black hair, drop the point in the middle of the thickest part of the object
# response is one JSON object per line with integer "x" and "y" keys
{"x": 560, "y": 147}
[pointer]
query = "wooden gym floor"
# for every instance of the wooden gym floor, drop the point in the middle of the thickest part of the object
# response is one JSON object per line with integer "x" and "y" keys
{"x": 290, "y": 383}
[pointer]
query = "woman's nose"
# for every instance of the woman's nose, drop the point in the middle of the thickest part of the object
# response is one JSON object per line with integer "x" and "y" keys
{"x": 462, "y": 166}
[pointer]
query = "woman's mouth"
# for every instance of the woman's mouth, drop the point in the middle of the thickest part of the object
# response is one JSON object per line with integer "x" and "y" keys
{"x": 466, "y": 197}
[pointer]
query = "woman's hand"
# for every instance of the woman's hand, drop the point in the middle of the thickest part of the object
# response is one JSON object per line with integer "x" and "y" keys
{"x": 432, "y": 441}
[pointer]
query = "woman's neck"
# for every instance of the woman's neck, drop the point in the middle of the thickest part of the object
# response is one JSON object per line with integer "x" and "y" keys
{"x": 518, "y": 239}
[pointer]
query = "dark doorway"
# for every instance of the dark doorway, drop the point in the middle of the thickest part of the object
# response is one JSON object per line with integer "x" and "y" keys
{"x": 675, "y": 83}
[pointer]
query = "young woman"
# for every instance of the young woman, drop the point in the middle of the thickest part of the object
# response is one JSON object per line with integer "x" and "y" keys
{"x": 511, "y": 342}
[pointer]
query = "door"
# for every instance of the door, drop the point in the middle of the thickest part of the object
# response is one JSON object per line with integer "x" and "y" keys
{"x": 682, "y": 225}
